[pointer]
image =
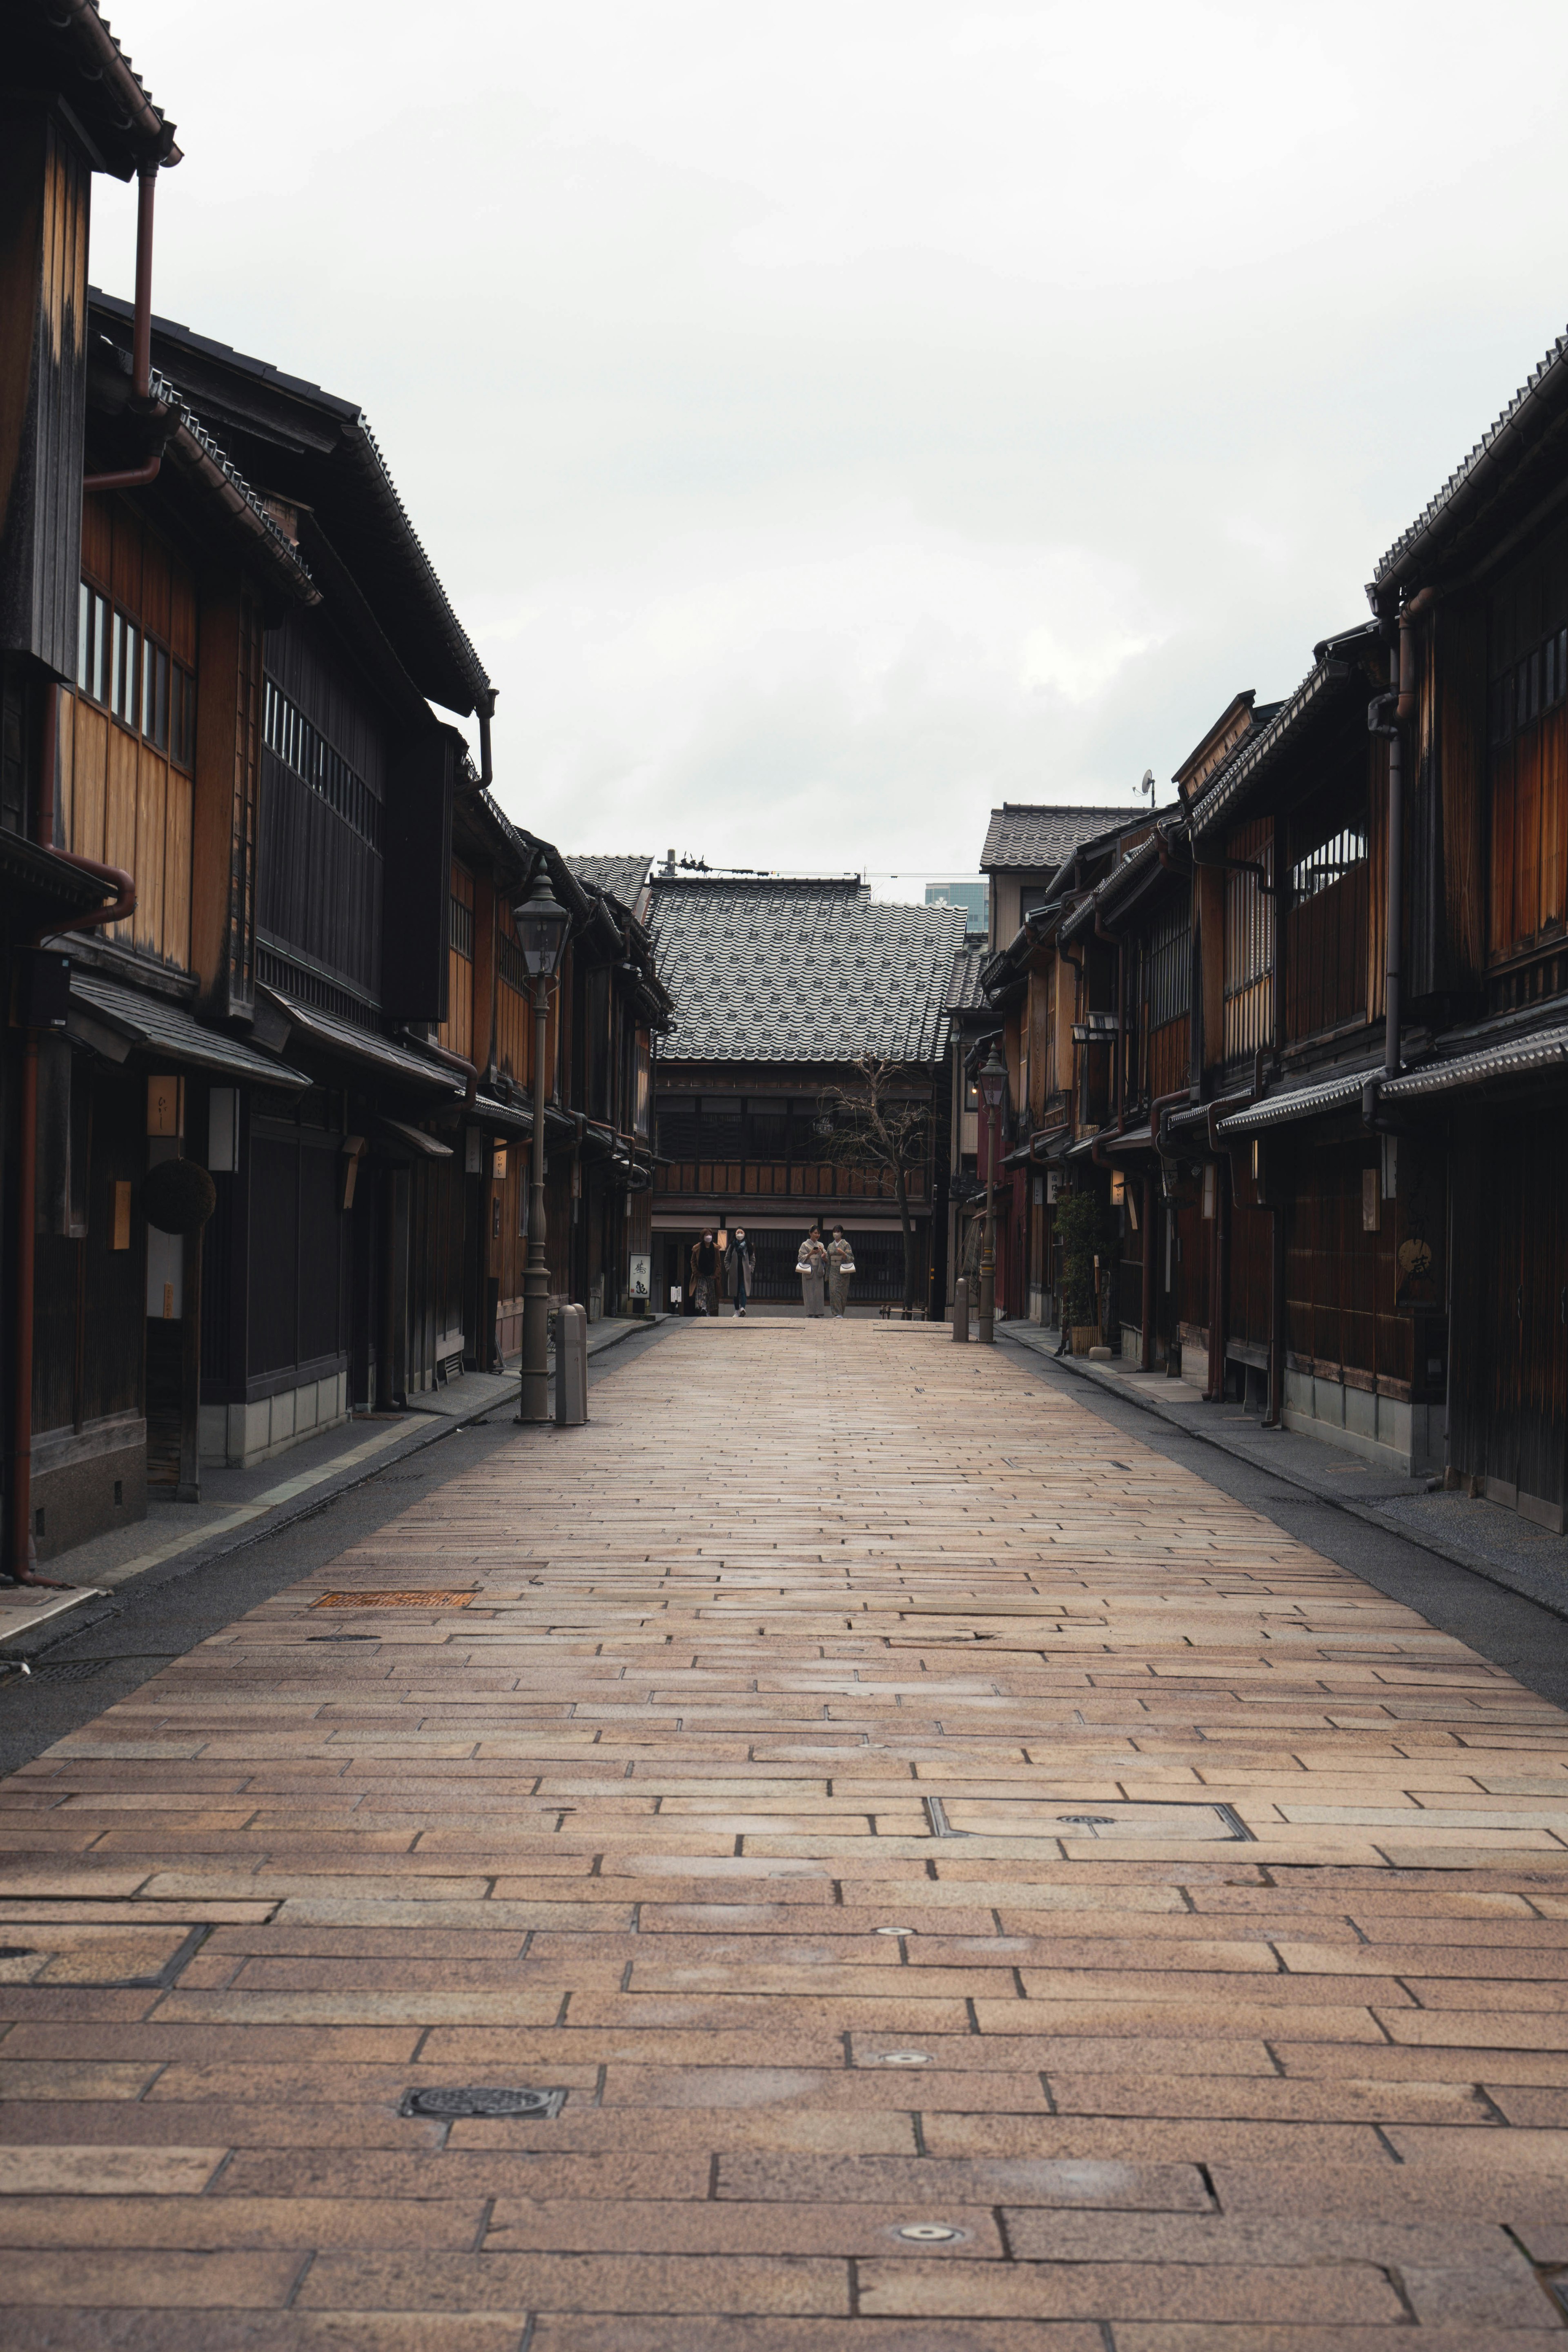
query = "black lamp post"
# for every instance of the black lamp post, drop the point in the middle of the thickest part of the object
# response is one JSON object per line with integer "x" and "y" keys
{"x": 541, "y": 934}
{"x": 993, "y": 1086}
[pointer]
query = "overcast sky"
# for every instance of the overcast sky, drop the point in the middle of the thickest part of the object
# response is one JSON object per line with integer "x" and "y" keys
{"x": 831, "y": 420}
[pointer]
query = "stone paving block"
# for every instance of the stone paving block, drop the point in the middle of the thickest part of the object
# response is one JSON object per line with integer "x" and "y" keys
{"x": 647, "y": 1825}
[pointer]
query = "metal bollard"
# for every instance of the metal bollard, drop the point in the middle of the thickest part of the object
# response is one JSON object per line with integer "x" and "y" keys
{"x": 571, "y": 1366}
{"x": 960, "y": 1309}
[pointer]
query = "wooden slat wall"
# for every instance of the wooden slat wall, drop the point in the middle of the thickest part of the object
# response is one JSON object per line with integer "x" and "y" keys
{"x": 1248, "y": 942}
{"x": 1341, "y": 1281}
{"x": 122, "y": 801}
{"x": 456, "y": 1031}
{"x": 1528, "y": 844}
{"x": 1509, "y": 1390}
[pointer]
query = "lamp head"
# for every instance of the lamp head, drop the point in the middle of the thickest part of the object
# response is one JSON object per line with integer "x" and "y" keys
{"x": 541, "y": 927}
{"x": 993, "y": 1079}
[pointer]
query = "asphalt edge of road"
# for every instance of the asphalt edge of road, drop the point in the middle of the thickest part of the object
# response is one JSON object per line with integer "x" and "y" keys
{"x": 39, "y": 1640}
{"x": 1545, "y": 1593}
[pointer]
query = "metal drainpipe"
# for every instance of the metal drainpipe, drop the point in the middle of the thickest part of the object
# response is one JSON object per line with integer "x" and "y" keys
{"x": 134, "y": 477}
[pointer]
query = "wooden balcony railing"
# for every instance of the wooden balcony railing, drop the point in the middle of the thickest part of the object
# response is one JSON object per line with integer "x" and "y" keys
{"x": 776, "y": 1178}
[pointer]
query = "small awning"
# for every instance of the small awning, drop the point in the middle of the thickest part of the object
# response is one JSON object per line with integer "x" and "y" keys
{"x": 486, "y": 1112}
{"x": 38, "y": 886}
{"x": 1541, "y": 1056}
{"x": 366, "y": 1045}
{"x": 1134, "y": 1139}
{"x": 414, "y": 1139}
{"x": 153, "y": 1024}
{"x": 1302, "y": 1102}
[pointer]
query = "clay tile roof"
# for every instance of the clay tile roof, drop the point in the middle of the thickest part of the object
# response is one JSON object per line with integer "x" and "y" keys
{"x": 964, "y": 993}
{"x": 776, "y": 969}
{"x": 621, "y": 879}
{"x": 1038, "y": 839}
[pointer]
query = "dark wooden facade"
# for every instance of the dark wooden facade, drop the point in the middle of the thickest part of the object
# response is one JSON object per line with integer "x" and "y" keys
{"x": 1332, "y": 1160}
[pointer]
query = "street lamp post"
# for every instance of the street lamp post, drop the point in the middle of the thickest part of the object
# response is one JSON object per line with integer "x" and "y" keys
{"x": 541, "y": 934}
{"x": 993, "y": 1086}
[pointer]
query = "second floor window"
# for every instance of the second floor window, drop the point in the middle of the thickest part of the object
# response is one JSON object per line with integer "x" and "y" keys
{"x": 137, "y": 680}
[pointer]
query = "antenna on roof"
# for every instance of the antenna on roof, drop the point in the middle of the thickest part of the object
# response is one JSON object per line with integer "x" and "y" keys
{"x": 1147, "y": 786}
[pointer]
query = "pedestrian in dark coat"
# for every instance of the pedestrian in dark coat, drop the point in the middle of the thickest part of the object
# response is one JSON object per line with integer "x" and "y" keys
{"x": 705, "y": 1275}
{"x": 740, "y": 1268}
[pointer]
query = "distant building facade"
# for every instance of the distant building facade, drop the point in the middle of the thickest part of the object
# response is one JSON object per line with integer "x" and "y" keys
{"x": 780, "y": 986}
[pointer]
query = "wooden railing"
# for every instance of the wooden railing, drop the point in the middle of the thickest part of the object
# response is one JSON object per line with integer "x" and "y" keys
{"x": 777, "y": 1179}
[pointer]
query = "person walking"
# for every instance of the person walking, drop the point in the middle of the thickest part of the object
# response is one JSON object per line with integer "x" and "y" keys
{"x": 841, "y": 1266}
{"x": 812, "y": 1267}
{"x": 704, "y": 1275}
{"x": 740, "y": 1268}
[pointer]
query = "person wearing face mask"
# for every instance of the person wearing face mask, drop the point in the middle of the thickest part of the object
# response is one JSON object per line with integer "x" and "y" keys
{"x": 740, "y": 1268}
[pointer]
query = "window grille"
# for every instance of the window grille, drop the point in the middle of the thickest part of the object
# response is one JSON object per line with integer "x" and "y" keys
{"x": 1537, "y": 681}
{"x": 1328, "y": 862}
{"x": 130, "y": 675}
{"x": 290, "y": 736}
{"x": 1171, "y": 967}
{"x": 460, "y": 927}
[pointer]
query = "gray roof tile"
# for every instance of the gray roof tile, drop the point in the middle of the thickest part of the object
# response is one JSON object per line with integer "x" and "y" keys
{"x": 781, "y": 971}
{"x": 1038, "y": 839}
{"x": 964, "y": 993}
{"x": 621, "y": 879}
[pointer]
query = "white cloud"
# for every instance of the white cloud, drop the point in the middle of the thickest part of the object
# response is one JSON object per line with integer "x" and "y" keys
{"x": 829, "y": 420}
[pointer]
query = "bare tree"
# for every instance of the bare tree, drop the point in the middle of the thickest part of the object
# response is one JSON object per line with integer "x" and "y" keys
{"x": 877, "y": 1125}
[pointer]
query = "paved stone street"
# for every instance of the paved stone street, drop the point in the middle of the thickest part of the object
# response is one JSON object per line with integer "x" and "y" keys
{"x": 973, "y": 1886}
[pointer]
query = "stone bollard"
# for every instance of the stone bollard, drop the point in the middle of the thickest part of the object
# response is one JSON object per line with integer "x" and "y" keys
{"x": 960, "y": 1309}
{"x": 571, "y": 1366}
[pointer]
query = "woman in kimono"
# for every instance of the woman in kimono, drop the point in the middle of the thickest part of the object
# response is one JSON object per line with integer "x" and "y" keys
{"x": 841, "y": 1266}
{"x": 812, "y": 1267}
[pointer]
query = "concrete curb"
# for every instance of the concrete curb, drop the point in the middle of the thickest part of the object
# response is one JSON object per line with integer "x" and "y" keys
{"x": 1547, "y": 1592}
{"x": 37, "y": 1641}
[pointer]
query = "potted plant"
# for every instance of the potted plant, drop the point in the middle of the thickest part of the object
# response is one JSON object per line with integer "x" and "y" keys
{"x": 1079, "y": 1226}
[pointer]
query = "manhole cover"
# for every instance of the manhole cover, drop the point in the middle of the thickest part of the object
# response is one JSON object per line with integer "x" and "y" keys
{"x": 1115, "y": 1822}
{"x": 395, "y": 1600}
{"x": 927, "y": 2233}
{"x": 451, "y": 2105}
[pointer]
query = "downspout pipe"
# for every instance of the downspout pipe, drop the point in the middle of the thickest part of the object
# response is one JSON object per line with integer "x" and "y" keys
{"x": 486, "y": 707}
{"x": 134, "y": 477}
{"x": 459, "y": 1062}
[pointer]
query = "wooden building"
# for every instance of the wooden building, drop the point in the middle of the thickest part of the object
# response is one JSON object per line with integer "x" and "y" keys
{"x": 1306, "y": 1038}
{"x": 71, "y": 105}
{"x": 266, "y": 1115}
{"x": 781, "y": 987}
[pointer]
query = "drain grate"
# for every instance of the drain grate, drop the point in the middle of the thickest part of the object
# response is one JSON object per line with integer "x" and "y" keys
{"x": 69, "y": 1670}
{"x": 1115, "y": 1822}
{"x": 450, "y": 2105}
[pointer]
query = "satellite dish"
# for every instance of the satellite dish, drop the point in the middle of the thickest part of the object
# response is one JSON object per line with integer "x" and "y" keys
{"x": 1147, "y": 786}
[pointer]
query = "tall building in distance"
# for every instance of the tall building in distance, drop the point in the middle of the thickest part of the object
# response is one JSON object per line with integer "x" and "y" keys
{"x": 969, "y": 891}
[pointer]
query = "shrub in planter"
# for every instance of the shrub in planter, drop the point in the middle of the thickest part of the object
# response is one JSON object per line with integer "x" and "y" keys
{"x": 178, "y": 1196}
